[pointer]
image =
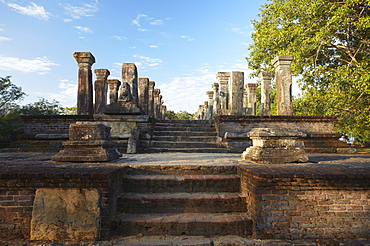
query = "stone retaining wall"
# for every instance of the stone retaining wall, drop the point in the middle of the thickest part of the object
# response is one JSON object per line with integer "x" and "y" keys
{"x": 308, "y": 201}
{"x": 24, "y": 188}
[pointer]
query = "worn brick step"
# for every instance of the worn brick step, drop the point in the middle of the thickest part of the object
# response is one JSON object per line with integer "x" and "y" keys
{"x": 192, "y": 224}
{"x": 186, "y": 183}
{"x": 186, "y": 138}
{"x": 174, "y": 144}
{"x": 186, "y": 150}
{"x": 181, "y": 169}
{"x": 184, "y": 133}
{"x": 181, "y": 203}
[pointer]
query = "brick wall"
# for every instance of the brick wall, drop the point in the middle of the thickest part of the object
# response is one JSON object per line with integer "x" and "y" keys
{"x": 50, "y": 124}
{"x": 308, "y": 202}
{"x": 18, "y": 186}
{"x": 243, "y": 124}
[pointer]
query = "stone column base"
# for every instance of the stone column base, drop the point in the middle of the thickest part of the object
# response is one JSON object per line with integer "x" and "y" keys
{"x": 276, "y": 156}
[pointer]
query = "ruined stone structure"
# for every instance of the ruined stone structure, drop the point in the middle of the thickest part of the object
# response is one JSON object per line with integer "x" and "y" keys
{"x": 216, "y": 99}
{"x": 113, "y": 85}
{"x": 223, "y": 80}
{"x": 265, "y": 78}
{"x": 88, "y": 142}
{"x": 210, "y": 105}
{"x": 101, "y": 87}
{"x": 129, "y": 75}
{"x": 85, "y": 88}
{"x": 144, "y": 95}
{"x": 236, "y": 93}
{"x": 251, "y": 97}
{"x": 275, "y": 145}
{"x": 283, "y": 78}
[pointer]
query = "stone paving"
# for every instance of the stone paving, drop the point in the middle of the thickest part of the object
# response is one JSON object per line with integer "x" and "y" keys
{"x": 190, "y": 161}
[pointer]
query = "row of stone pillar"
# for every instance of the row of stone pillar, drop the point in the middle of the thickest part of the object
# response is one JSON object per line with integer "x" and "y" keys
{"x": 134, "y": 94}
{"x": 228, "y": 96}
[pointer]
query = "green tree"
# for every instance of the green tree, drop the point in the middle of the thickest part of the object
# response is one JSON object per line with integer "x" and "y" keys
{"x": 10, "y": 122}
{"x": 69, "y": 110}
{"x": 181, "y": 115}
{"x": 9, "y": 94}
{"x": 42, "y": 107}
{"x": 330, "y": 42}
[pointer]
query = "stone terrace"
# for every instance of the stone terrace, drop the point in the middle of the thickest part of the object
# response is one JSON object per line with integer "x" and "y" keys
{"x": 325, "y": 200}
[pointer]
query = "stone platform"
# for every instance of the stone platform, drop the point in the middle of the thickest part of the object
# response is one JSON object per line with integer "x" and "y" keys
{"x": 324, "y": 200}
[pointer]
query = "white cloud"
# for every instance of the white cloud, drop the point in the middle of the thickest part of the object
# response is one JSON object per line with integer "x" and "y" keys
{"x": 40, "y": 65}
{"x": 120, "y": 38}
{"x": 187, "y": 38}
{"x": 145, "y": 19}
{"x": 153, "y": 46}
{"x": 67, "y": 20}
{"x": 142, "y": 29}
{"x": 83, "y": 29}
{"x": 156, "y": 22}
{"x": 241, "y": 30}
{"x": 4, "y": 39}
{"x": 33, "y": 10}
{"x": 86, "y": 10}
{"x": 68, "y": 92}
{"x": 144, "y": 61}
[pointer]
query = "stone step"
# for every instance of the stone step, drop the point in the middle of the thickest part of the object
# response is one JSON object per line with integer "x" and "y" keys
{"x": 181, "y": 202}
{"x": 175, "y": 144}
{"x": 184, "y": 133}
{"x": 188, "y": 122}
{"x": 185, "y": 183}
{"x": 185, "y": 128}
{"x": 186, "y": 150}
{"x": 186, "y": 138}
{"x": 192, "y": 224}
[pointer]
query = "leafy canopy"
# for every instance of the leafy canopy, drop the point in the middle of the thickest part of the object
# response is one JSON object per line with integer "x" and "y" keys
{"x": 330, "y": 41}
{"x": 9, "y": 94}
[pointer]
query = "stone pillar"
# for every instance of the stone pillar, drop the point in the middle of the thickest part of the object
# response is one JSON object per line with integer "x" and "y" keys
{"x": 164, "y": 112}
{"x": 216, "y": 99}
{"x": 113, "y": 85}
{"x": 85, "y": 88}
{"x": 156, "y": 102}
{"x": 236, "y": 93}
{"x": 144, "y": 95}
{"x": 283, "y": 77}
{"x": 265, "y": 78}
{"x": 129, "y": 75}
{"x": 101, "y": 88}
{"x": 210, "y": 105}
{"x": 251, "y": 91}
{"x": 223, "y": 80}
{"x": 245, "y": 99}
{"x": 151, "y": 99}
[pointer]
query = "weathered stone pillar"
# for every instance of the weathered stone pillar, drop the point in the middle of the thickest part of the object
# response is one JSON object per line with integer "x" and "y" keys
{"x": 245, "y": 99}
{"x": 129, "y": 75}
{"x": 113, "y": 85}
{"x": 251, "y": 92}
{"x": 210, "y": 105}
{"x": 156, "y": 102}
{"x": 85, "y": 88}
{"x": 144, "y": 95}
{"x": 236, "y": 93}
{"x": 164, "y": 112}
{"x": 151, "y": 99}
{"x": 283, "y": 77}
{"x": 216, "y": 99}
{"x": 223, "y": 80}
{"x": 101, "y": 88}
{"x": 265, "y": 78}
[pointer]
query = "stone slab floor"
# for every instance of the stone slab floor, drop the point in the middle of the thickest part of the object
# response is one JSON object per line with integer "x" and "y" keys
{"x": 186, "y": 161}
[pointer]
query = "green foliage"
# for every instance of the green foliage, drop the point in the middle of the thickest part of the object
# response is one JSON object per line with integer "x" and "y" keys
{"x": 10, "y": 125}
{"x": 69, "y": 111}
{"x": 181, "y": 115}
{"x": 9, "y": 94}
{"x": 42, "y": 107}
{"x": 330, "y": 42}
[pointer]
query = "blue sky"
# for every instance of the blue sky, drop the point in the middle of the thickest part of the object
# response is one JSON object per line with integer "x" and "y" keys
{"x": 179, "y": 44}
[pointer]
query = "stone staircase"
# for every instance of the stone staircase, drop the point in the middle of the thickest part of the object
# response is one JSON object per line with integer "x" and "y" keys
{"x": 197, "y": 136}
{"x": 173, "y": 201}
